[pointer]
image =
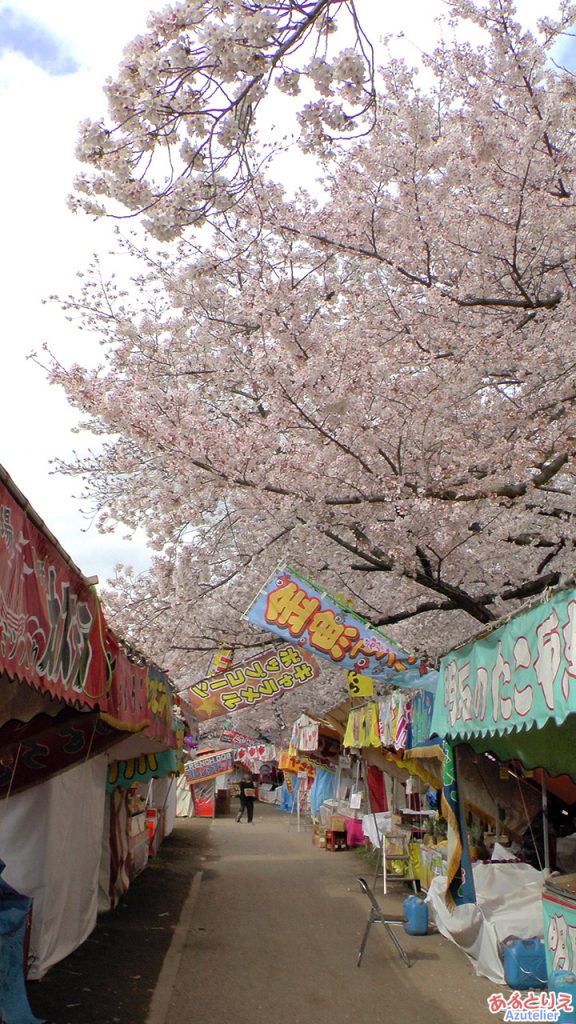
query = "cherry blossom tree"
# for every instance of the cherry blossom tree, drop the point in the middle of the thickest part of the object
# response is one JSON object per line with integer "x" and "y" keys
{"x": 374, "y": 382}
{"x": 179, "y": 144}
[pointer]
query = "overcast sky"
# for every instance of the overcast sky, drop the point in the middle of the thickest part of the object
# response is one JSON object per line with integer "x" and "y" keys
{"x": 54, "y": 57}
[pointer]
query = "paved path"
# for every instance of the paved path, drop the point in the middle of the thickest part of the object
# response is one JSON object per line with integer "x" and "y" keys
{"x": 270, "y": 933}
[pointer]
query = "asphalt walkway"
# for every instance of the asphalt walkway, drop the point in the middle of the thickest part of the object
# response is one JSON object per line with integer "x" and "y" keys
{"x": 270, "y": 931}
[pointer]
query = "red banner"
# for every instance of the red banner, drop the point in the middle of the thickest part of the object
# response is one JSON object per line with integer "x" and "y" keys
{"x": 266, "y": 675}
{"x": 127, "y": 703}
{"x": 236, "y": 739}
{"x": 53, "y": 635}
{"x": 51, "y": 626}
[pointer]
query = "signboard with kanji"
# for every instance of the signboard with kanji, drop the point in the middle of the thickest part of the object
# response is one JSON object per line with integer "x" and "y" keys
{"x": 519, "y": 675}
{"x": 236, "y": 739}
{"x": 294, "y": 608}
{"x": 266, "y": 675}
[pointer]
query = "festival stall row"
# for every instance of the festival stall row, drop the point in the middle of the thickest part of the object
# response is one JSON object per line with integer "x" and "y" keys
{"x": 293, "y": 608}
{"x": 71, "y": 695}
{"x": 211, "y": 778}
{"x": 391, "y": 768}
{"x": 308, "y": 623}
{"x": 311, "y": 773}
{"x": 212, "y": 775}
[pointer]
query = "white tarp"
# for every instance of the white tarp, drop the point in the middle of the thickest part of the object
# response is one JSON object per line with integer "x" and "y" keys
{"x": 509, "y": 903}
{"x": 167, "y": 788}
{"x": 184, "y": 804}
{"x": 51, "y": 840}
{"x": 374, "y": 825}
{"x": 268, "y": 794}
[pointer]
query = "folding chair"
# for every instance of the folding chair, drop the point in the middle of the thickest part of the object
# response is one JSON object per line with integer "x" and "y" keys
{"x": 377, "y": 916}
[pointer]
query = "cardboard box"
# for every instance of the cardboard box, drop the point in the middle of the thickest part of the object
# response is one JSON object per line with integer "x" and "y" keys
{"x": 336, "y": 823}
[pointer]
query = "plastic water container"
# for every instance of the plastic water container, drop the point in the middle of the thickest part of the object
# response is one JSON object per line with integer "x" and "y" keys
{"x": 564, "y": 981}
{"x": 416, "y": 914}
{"x": 524, "y": 963}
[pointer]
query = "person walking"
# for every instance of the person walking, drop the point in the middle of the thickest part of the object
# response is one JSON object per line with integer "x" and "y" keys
{"x": 247, "y": 796}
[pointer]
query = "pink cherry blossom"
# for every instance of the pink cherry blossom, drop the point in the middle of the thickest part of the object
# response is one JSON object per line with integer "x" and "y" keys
{"x": 374, "y": 382}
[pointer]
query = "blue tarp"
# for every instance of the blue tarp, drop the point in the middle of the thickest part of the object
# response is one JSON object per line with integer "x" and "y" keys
{"x": 286, "y": 798}
{"x": 322, "y": 789}
{"x": 14, "y": 908}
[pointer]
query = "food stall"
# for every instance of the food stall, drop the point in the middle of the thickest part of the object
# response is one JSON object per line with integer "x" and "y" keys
{"x": 510, "y": 693}
{"x": 203, "y": 773}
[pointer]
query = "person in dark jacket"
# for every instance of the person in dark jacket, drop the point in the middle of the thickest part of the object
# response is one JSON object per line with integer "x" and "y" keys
{"x": 247, "y": 795}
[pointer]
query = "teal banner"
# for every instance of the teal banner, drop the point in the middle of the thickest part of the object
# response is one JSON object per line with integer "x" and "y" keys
{"x": 141, "y": 769}
{"x": 459, "y": 879}
{"x": 520, "y": 675}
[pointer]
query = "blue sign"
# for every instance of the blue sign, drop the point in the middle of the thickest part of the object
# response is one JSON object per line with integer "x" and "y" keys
{"x": 295, "y": 609}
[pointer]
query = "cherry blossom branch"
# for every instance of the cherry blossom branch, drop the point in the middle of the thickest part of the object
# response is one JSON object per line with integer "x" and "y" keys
{"x": 180, "y": 143}
{"x": 423, "y": 608}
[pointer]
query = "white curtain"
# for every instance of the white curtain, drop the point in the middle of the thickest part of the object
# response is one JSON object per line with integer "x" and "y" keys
{"x": 51, "y": 841}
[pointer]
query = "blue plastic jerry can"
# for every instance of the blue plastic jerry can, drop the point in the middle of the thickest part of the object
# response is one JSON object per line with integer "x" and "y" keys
{"x": 416, "y": 914}
{"x": 524, "y": 963}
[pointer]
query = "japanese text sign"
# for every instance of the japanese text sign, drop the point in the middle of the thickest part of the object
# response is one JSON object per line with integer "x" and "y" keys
{"x": 266, "y": 675}
{"x": 51, "y": 625}
{"x": 53, "y": 634}
{"x": 222, "y": 660}
{"x": 236, "y": 739}
{"x": 288, "y": 763}
{"x": 532, "y": 1005}
{"x": 522, "y": 674}
{"x": 127, "y": 703}
{"x": 160, "y": 708}
{"x": 203, "y": 768}
{"x": 358, "y": 685}
{"x": 294, "y": 608}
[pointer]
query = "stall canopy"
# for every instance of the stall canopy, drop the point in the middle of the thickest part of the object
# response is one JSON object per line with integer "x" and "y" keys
{"x": 69, "y": 689}
{"x": 512, "y": 691}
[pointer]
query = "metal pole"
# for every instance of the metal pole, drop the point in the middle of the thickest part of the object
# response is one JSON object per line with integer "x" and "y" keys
{"x": 338, "y": 780}
{"x": 298, "y": 797}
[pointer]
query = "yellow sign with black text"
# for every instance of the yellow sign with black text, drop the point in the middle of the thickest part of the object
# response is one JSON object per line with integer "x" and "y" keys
{"x": 359, "y": 686}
